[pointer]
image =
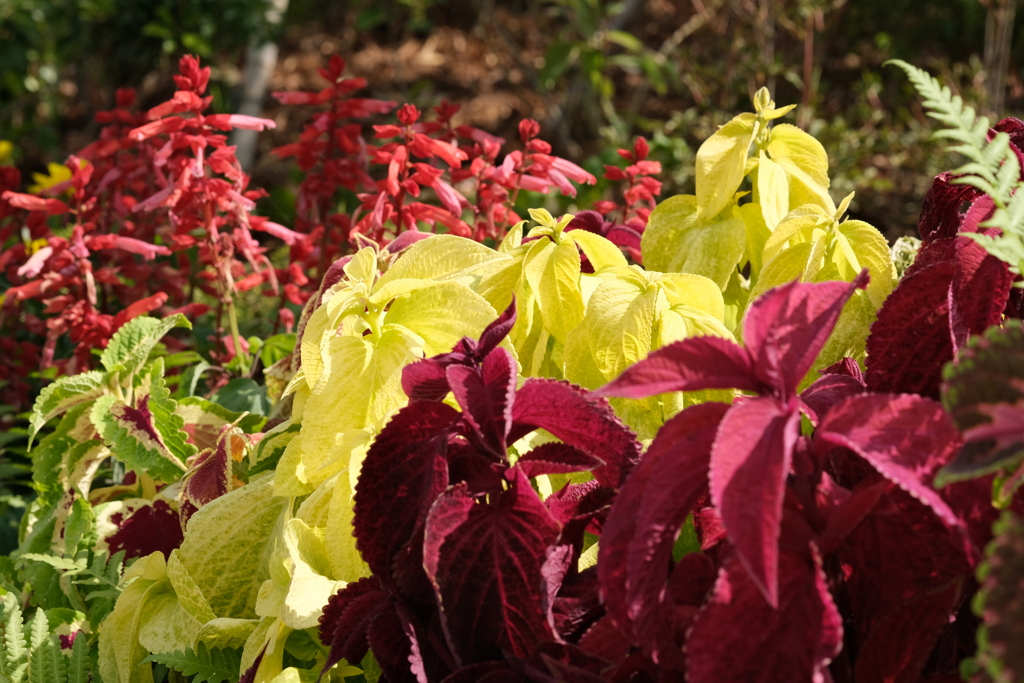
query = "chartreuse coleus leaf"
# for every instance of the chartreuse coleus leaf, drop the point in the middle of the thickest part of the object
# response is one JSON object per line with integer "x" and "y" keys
{"x": 353, "y": 350}
{"x": 827, "y": 248}
{"x": 178, "y": 612}
{"x": 121, "y": 655}
{"x": 145, "y": 433}
{"x": 708, "y": 233}
{"x": 228, "y": 544}
{"x": 486, "y": 271}
{"x": 681, "y": 239}
{"x": 550, "y": 291}
{"x": 631, "y": 313}
{"x": 812, "y": 244}
{"x": 299, "y": 585}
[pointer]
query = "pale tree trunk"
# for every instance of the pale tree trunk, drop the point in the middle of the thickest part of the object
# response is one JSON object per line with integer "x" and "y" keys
{"x": 998, "y": 39}
{"x": 260, "y": 61}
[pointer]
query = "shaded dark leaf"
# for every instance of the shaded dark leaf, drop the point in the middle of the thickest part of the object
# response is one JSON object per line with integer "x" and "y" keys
{"x": 738, "y": 637}
{"x": 485, "y": 563}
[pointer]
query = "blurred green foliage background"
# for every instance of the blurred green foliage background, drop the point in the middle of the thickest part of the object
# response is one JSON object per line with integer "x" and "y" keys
{"x": 595, "y": 73}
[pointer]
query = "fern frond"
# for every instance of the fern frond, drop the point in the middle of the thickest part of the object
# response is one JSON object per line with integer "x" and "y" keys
{"x": 992, "y": 165}
{"x": 45, "y": 662}
{"x": 14, "y": 658}
{"x": 208, "y": 665}
{"x": 79, "y": 666}
{"x": 947, "y": 108}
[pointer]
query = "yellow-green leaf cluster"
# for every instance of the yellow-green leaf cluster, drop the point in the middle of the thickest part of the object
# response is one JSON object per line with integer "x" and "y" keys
{"x": 781, "y": 226}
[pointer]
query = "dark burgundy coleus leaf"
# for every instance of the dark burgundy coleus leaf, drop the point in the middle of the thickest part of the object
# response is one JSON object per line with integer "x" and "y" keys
{"x": 900, "y": 642}
{"x": 847, "y": 366}
{"x": 346, "y": 618}
{"x": 579, "y": 419}
{"x": 942, "y": 210}
{"x": 906, "y": 438}
{"x": 578, "y": 508}
{"x": 392, "y": 638}
{"x": 739, "y": 638}
{"x": 426, "y": 380}
{"x": 485, "y": 395}
{"x": 556, "y": 458}
{"x": 363, "y": 616}
{"x": 553, "y": 662}
{"x": 403, "y": 472}
{"x": 838, "y": 381}
{"x": 485, "y": 560}
{"x": 485, "y": 672}
{"x": 954, "y": 289}
{"x": 149, "y": 529}
{"x": 456, "y": 534}
{"x": 624, "y": 236}
{"x": 899, "y": 550}
{"x": 575, "y": 605}
{"x": 209, "y": 475}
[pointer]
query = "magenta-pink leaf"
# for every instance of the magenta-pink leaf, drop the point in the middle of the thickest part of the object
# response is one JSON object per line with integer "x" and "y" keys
{"x": 486, "y": 394}
{"x": 688, "y": 365}
{"x": 749, "y": 465}
{"x": 404, "y": 471}
{"x": 786, "y": 327}
{"x": 636, "y": 545}
{"x": 484, "y": 560}
{"x": 580, "y": 419}
{"x": 556, "y": 458}
{"x": 906, "y": 438}
{"x": 739, "y": 638}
